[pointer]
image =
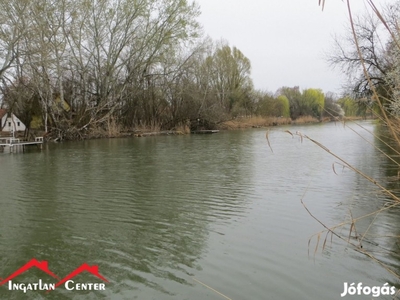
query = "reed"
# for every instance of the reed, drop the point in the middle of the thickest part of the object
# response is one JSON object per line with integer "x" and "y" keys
{"x": 182, "y": 128}
{"x": 113, "y": 129}
{"x": 305, "y": 120}
{"x": 254, "y": 122}
{"x": 211, "y": 289}
{"x": 347, "y": 230}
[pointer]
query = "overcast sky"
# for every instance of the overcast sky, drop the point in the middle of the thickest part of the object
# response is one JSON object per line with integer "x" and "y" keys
{"x": 284, "y": 39}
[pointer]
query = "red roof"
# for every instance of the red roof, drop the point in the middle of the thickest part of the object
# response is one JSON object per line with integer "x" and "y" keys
{"x": 2, "y": 112}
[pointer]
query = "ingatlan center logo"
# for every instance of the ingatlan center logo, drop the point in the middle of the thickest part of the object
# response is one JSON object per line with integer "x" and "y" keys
{"x": 67, "y": 281}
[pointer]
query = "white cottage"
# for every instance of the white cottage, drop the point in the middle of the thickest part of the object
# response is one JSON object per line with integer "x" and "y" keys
{"x": 9, "y": 122}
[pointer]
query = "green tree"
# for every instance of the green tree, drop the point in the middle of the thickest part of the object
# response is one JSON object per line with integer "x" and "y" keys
{"x": 269, "y": 106}
{"x": 294, "y": 97}
{"x": 230, "y": 76}
{"x": 332, "y": 109}
{"x": 313, "y": 102}
{"x": 350, "y": 106}
{"x": 284, "y": 107}
{"x": 266, "y": 104}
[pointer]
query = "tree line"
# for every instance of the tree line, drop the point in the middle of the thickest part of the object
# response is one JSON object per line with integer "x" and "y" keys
{"x": 73, "y": 67}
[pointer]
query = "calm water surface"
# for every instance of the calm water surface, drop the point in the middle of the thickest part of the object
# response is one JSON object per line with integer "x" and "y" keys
{"x": 158, "y": 215}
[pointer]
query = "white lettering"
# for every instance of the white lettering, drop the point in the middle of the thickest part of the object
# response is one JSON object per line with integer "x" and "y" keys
{"x": 352, "y": 289}
{"x": 344, "y": 290}
{"x": 359, "y": 288}
{"x": 392, "y": 290}
{"x": 90, "y": 286}
{"x": 385, "y": 289}
{"x": 376, "y": 291}
{"x": 366, "y": 290}
{"x": 67, "y": 285}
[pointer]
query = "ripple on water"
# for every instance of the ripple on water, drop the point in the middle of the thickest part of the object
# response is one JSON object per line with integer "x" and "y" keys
{"x": 154, "y": 213}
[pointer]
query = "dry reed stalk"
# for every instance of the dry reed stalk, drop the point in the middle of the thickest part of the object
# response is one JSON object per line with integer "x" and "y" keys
{"x": 375, "y": 95}
{"x": 269, "y": 144}
{"x": 373, "y": 145}
{"x": 114, "y": 129}
{"x": 375, "y": 136}
{"x": 305, "y": 120}
{"x": 210, "y": 288}
{"x": 182, "y": 128}
{"x": 393, "y": 124}
{"x": 393, "y": 196}
{"x": 321, "y": 3}
{"x": 332, "y": 231}
{"x": 254, "y": 122}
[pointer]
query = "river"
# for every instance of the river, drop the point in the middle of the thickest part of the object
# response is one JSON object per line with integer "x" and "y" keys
{"x": 197, "y": 216}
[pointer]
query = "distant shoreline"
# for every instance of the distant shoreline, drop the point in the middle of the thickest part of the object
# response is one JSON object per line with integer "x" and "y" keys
{"x": 234, "y": 124}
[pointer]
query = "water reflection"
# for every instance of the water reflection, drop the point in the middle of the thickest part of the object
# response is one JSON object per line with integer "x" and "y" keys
{"x": 138, "y": 208}
{"x": 362, "y": 198}
{"x": 154, "y": 212}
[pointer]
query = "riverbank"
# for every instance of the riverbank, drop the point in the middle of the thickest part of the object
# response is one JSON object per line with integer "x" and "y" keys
{"x": 234, "y": 124}
{"x": 260, "y": 122}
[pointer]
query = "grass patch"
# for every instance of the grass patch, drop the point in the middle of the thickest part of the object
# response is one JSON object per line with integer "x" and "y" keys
{"x": 254, "y": 122}
{"x": 182, "y": 128}
{"x": 305, "y": 120}
{"x": 260, "y": 122}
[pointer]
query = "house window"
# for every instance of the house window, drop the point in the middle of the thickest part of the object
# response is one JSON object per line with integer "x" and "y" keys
{"x": 9, "y": 124}
{"x": 18, "y": 124}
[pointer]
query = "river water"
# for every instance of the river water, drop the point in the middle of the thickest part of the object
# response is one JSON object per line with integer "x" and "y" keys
{"x": 198, "y": 216}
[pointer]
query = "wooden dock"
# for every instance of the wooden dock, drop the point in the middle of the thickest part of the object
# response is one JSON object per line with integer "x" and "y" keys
{"x": 14, "y": 144}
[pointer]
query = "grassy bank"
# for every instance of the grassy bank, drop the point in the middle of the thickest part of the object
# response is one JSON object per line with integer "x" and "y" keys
{"x": 114, "y": 131}
{"x": 258, "y": 122}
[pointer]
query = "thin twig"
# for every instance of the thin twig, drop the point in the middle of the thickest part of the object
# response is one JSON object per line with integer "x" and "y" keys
{"x": 210, "y": 288}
